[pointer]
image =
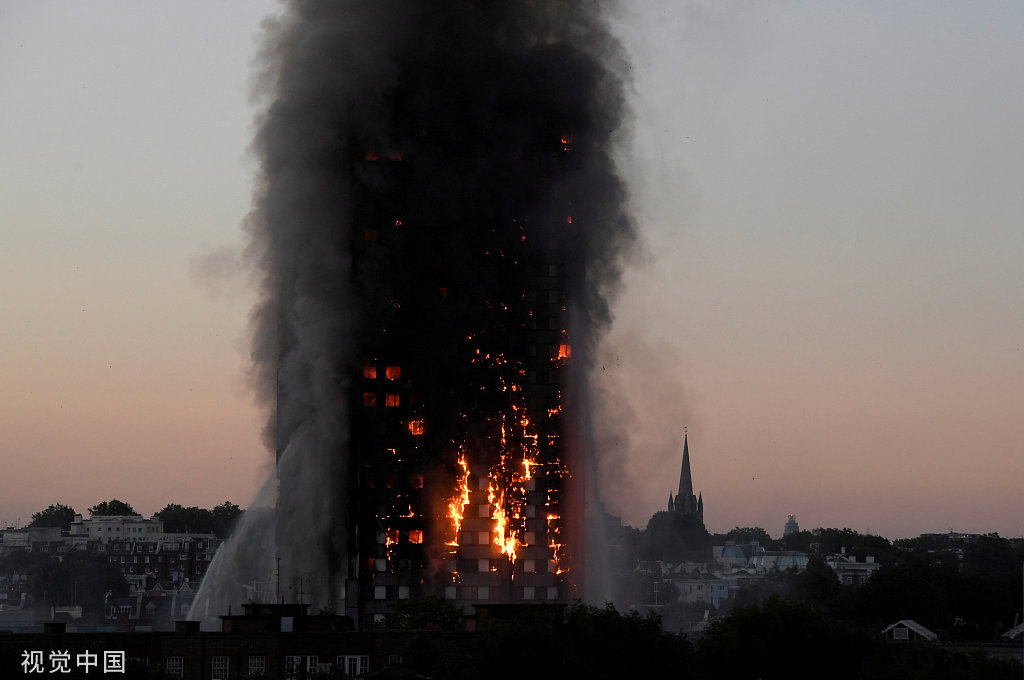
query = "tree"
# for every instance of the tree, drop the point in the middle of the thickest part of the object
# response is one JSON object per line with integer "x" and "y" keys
{"x": 743, "y": 535}
{"x": 430, "y": 612}
{"x": 178, "y": 519}
{"x": 112, "y": 507}
{"x": 770, "y": 639}
{"x": 80, "y": 578}
{"x": 225, "y": 516}
{"x": 221, "y": 520}
{"x": 825, "y": 541}
{"x": 926, "y": 593}
{"x": 989, "y": 554}
{"x": 818, "y": 583}
{"x": 588, "y": 642}
{"x": 57, "y": 515}
{"x": 672, "y": 537}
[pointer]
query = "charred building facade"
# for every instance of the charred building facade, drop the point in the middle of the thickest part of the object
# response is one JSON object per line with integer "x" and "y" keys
{"x": 457, "y": 459}
{"x": 440, "y": 227}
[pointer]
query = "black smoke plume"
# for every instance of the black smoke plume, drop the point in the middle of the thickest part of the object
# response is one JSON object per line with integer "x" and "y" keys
{"x": 405, "y": 145}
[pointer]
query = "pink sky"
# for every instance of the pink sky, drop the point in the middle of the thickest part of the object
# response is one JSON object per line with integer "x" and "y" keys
{"x": 830, "y": 296}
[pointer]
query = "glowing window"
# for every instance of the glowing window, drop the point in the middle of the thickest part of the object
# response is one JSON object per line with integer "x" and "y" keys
{"x": 392, "y": 399}
{"x": 369, "y": 372}
{"x": 416, "y": 481}
{"x": 416, "y": 536}
{"x": 564, "y": 351}
{"x": 369, "y": 399}
{"x": 416, "y": 429}
{"x": 393, "y": 372}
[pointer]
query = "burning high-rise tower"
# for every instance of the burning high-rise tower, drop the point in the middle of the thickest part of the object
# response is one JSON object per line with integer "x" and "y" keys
{"x": 440, "y": 226}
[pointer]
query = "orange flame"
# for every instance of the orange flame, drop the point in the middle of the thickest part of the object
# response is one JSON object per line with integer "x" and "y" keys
{"x": 503, "y": 537}
{"x": 458, "y": 503}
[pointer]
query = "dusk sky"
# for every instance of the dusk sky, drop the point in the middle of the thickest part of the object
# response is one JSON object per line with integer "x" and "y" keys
{"x": 830, "y": 294}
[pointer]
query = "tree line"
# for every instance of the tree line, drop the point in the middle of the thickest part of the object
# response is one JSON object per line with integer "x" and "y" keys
{"x": 775, "y": 639}
{"x": 219, "y": 520}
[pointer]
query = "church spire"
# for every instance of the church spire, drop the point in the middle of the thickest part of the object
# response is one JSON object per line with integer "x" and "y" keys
{"x": 685, "y": 481}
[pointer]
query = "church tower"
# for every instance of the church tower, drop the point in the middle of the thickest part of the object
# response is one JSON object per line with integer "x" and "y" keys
{"x": 686, "y": 502}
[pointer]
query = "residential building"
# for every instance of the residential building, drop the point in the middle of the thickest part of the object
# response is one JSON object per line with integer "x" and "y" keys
{"x": 116, "y": 527}
{"x": 907, "y": 631}
{"x": 851, "y": 572}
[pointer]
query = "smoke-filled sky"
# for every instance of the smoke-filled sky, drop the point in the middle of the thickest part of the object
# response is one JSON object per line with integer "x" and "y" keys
{"x": 831, "y": 294}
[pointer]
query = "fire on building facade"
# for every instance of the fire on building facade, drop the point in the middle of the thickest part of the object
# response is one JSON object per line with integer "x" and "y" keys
{"x": 457, "y": 452}
{"x": 441, "y": 226}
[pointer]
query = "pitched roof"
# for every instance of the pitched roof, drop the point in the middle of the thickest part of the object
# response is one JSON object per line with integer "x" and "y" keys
{"x": 1014, "y": 632}
{"x": 914, "y": 626}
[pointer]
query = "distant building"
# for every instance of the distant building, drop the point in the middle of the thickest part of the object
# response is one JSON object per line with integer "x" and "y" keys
{"x": 28, "y": 538}
{"x": 702, "y": 587}
{"x": 908, "y": 631}
{"x": 779, "y": 560}
{"x": 851, "y": 572}
{"x": 791, "y": 526}
{"x": 116, "y": 527}
{"x": 685, "y": 503}
{"x": 272, "y": 641}
{"x": 736, "y": 555}
{"x": 1014, "y": 633}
